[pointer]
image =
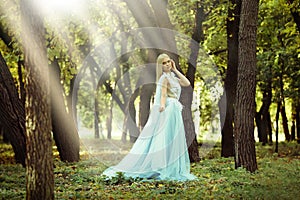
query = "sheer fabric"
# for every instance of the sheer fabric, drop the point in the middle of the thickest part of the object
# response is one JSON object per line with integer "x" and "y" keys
{"x": 160, "y": 152}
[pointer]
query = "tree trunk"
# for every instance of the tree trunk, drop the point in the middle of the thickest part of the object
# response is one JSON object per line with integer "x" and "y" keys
{"x": 145, "y": 17}
{"x": 12, "y": 115}
{"x": 96, "y": 107}
{"x": 131, "y": 120}
{"x": 285, "y": 123}
{"x": 297, "y": 115}
{"x": 158, "y": 17}
{"x": 245, "y": 155}
{"x": 109, "y": 121}
{"x": 293, "y": 131}
{"x": 282, "y": 110}
{"x": 191, "y": 140}
{"x": 269, "y": 124}
{"x": 63, "y": 125}
{"x": 277, "y": 125}
{"x": 187, "y": 93}
{"x": 96, "y": 118}
{"x": 231, "y": 78}
{"x": 295, "y": 14}
{"x": 148, "y": 88}
{"x": 39, "y": 159}
{"x": 21, "y": 86}
{"x": 262, "y": 117}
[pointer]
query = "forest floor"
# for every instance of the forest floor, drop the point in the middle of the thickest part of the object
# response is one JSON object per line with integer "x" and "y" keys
{"x": 278, "y": 176}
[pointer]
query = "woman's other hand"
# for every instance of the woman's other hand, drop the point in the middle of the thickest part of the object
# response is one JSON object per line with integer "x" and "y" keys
{"x": 162, "y": 108}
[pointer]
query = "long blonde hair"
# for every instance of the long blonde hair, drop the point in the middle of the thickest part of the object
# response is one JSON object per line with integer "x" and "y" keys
{"x": 159, "y": 61}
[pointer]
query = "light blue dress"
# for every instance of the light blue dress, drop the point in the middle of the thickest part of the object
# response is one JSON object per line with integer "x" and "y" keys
{"x": 160, "y": 152}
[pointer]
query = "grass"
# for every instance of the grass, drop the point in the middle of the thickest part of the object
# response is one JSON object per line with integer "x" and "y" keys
{"x": 278, "y": 177}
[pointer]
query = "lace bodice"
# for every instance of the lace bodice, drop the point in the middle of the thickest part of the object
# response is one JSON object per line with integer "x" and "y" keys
{"x": 174, "y": 88}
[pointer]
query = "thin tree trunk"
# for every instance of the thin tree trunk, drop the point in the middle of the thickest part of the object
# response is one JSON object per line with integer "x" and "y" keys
{"x": 293, "y": 131}
{"x": 297, "y": 115}
{"x": 245, "y": 154}
{"x": 39, "y": 159}
{"x": 187, "y": 93}
{"x": 285, "y": 123}
{"x": 262, "y": 117}
{"x": 12, "y": 115}
{"x": 282, "y": 110}
{"x": 96, "y": 108}
{"x": 189, "y": 127}
{"x": 109, "y": 121}
{"x": 63, "y": 125}
{"x": 231, "y": 79}
{"x": 269, "y": 122}
{"x": 21, "y": 82}
{"x": 277, "y": 125}
{"x": 131, "y": 121}
{"x": 124, "y": 129}
{"x": 96, "y": 118}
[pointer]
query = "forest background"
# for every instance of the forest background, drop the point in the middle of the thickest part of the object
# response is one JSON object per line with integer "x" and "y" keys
{"x": 100, "y": 75}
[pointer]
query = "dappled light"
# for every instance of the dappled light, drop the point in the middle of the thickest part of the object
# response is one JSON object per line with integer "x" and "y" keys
{"x": 78, "y": 84}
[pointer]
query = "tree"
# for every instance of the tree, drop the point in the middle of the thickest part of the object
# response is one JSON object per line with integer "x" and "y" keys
{"x": 245, "y": 155}
{"x": 12, "y": 116}
{"x": 63, "y": 126}
{"x": 139, "y": 11}
{"x": 39, "y": 158}
{"x": 295, "y": 13}
{"x": 231, "y": 78}
{"x": 187, "y": 93}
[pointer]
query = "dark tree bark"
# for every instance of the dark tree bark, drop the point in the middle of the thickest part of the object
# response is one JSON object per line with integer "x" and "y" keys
{"x": 63, "y": 125}
{"x": 230, "y": 82}
{"x": 282, "y": 110}
{"x": 297, "y": 116}
{"x": 4, "y": 135}
{"x": 285, "y": 123}
{"x": 12, "y": 115}
{"x": 245, "y": 154}
{"x": 21, "y": 82}
{"x": 293, "y": 131}
{"x": 187, "y": 93}
{"x": 263, "y": 116}
{"x": 269, "y": 125}
{"x": 277, "y": 124}
{"x": 131, "y": 120}
{"x": 109, "y": 121}
{"x": 295, "y": 14}
{"x": 6, "y": 38}
{"x": 39, "y": 159}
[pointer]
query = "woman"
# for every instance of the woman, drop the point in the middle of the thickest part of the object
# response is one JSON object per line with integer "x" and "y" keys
{"x": 160, "y": 152}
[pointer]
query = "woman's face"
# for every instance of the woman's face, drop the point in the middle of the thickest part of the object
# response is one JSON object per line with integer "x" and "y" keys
{"x": 166, "y": 65}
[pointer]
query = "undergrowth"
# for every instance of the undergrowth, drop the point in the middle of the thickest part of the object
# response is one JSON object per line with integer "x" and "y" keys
{"x": 277, "y": 178}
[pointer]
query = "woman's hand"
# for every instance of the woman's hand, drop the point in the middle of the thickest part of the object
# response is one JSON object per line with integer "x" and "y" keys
{"x": 173, "y": 66}
{"x": 162, "y": 108}
{"x": 182, "y": 79}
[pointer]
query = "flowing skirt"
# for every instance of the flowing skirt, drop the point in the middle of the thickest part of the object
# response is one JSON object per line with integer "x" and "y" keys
{"x": 160, "y": 152}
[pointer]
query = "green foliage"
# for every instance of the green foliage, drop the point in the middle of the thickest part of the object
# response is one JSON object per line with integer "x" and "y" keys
{"x": 278, "y": 47}
{"x": 277, "y": 178}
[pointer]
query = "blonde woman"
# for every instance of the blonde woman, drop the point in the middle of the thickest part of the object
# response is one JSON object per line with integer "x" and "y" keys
{"x": 160, "y": 152}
